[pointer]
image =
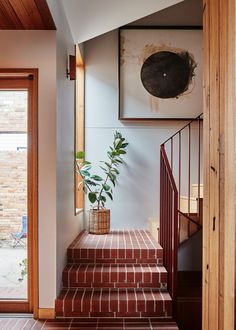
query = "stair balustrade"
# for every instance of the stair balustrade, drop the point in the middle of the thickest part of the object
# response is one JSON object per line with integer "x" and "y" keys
{"x": 180, "y": 210}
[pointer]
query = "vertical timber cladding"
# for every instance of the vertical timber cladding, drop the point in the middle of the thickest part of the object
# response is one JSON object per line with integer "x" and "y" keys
{"x": 219, "y": 165}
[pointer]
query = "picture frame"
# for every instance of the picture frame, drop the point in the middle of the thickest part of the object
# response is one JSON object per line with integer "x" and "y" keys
{"x": 160, "y": 72}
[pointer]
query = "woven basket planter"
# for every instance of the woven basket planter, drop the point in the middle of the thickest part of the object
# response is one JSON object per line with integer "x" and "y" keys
{"x": 99, "y": 221}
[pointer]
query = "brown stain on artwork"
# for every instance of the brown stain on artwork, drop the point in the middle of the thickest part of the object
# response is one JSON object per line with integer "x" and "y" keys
{"x": 125, "y": 55}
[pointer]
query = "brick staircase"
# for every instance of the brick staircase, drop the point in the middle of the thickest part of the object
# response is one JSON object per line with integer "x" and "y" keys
{"x": 119, "y": 275}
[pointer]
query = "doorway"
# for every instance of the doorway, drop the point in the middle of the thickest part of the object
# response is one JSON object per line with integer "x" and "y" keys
{"x": 18, "y": 191}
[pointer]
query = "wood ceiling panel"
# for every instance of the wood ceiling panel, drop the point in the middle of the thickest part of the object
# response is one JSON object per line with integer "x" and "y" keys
{"x": 8, "y": 16}
{"x": 45, "y": 14}
{"x": 25, "y": 15}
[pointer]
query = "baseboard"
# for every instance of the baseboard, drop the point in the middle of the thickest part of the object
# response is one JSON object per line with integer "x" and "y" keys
{"x": 153, "y": 226}
{"x": 46, "y": 313}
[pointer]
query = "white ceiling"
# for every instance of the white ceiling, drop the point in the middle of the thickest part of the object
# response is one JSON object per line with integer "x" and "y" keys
{"x": 89, "y": 18}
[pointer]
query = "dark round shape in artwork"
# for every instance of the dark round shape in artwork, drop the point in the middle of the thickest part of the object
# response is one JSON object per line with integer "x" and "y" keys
{"x": 166, "y": 74}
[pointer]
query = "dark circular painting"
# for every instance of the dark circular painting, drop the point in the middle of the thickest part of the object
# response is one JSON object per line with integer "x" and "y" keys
{"x": 166, "y": 74}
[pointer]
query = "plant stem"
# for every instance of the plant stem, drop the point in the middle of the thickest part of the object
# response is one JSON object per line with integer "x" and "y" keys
{"x": 105, "y": 181}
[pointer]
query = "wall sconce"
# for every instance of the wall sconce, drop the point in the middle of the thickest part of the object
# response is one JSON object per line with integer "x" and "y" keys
{"x": 71, "y": 67}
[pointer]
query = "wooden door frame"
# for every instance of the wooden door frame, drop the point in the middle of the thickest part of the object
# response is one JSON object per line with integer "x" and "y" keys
{"x": 219, "y": 228}
{"x": 32, "y": 186}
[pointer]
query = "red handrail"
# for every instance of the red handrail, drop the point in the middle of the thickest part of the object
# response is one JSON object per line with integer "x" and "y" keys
{"x": 168, "y": 221}
{"x": 170, "y": 213}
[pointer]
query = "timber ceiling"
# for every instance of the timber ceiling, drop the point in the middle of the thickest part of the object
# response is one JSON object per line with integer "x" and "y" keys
{"x": 25, "y": 15}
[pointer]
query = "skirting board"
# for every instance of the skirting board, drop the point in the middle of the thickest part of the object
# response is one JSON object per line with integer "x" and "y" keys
{"x": 153, "y": 226}
{"x": 46, "y": 313}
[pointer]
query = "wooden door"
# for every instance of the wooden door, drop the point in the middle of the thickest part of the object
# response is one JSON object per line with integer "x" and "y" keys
{"x": 19, "y": 129}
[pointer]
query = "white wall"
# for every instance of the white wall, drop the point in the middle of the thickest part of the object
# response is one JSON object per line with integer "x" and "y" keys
{"x": 137, "y": 195}
{"x": 37, "y": 49}
{"x": 91, "y": 18}
{"x": 68, "y": 225}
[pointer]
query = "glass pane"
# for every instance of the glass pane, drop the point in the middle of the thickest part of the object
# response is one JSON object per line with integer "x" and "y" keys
{"x": 13, "y": 195}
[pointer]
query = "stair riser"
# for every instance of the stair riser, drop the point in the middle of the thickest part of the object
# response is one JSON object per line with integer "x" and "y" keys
{"x": 114, "y": 315}
{"x": 125, "y": 309}
{"x": 162, "y": 286}
{"x": 114, "y": 279}
{"x": 158, "y": 261}
{"x": 111, "y": 254}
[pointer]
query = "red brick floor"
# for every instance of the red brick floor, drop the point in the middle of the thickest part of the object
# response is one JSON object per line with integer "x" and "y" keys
{"x": 87, "y": 324}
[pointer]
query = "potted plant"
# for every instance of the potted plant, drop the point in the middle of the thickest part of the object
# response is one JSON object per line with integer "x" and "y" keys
{"x": 99, "y": 188}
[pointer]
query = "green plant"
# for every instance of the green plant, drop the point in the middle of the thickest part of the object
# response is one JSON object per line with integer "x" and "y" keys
{"x": 99, "y": 188}
{"x": 24, "y": 269}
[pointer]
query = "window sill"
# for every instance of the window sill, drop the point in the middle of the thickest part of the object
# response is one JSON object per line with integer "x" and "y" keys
{"x": 78, "y": 211}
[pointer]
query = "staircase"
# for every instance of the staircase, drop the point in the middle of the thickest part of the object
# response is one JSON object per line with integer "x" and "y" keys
{"x": 119, "y": 275}
{"x": 181, "y": 194}
{"x": 190, "y": 214}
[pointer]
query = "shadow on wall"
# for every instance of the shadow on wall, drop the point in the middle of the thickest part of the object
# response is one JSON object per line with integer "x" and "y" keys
{"x": 190, "y": 254}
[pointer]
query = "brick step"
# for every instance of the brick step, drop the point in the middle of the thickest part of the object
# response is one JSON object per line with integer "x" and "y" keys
{"x": 120, "y": 256}
{"x": 87, "y": 302}
{"x": 131, "y": 247}
{"x": 114, "y": 275}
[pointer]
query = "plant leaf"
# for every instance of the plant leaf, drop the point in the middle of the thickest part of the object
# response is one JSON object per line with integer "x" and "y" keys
{"x": 84, "y": 173}
{"x": 92, "y": 197}
{"x": 96, "y": 177}
{"x": 80, "y": 155}
{"x": 121, "y": 152}
{"x": 103, "y": 198}
{"x": 106, "y": 187}
{"x": 90, "y": 182}
{"x": 117, "y": 143}
{"x": 86, "y": 167}
{"x": 124, "y": 145}
{"x": 109, "y": 194}
{"x": 119, "y": 161}
{"x": 107, "y": 164}
{"x": 104, "y": 169}
{"x": 116, "y": 171}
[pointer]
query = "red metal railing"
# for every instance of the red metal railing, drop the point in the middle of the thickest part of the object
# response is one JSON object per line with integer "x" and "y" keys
{"x": 168, "y": 221}
{"x": 180, "y": 144}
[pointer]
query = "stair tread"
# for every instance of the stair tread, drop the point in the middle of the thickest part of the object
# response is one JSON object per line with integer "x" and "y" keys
{"x": 135, "y": 246}
{"x": 116, "y": 239}
{"x": 115, "y": 267}
{"x": 151, "y": 294}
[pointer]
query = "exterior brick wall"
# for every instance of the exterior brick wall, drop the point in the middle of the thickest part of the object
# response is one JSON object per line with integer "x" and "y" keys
{"x": 13, "y": 163}
{"x": 13, "y": 191}
{"x": 12, "y": 111}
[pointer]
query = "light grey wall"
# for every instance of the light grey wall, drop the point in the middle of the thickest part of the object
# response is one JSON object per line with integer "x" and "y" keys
{"x": 137, "y": 195}
{"x": 68, "y": 225}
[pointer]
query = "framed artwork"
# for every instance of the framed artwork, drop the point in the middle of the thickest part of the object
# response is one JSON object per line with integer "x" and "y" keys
{"x": 160, "y": 73}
